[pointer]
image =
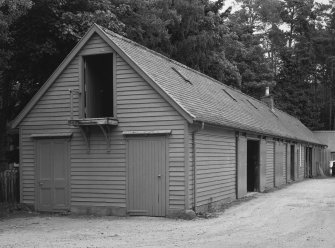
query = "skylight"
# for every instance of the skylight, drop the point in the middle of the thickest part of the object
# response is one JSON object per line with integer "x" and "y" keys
{"x": 229, "y": 95}
{"x": 252, "y": 104}
{"x": 181, "y": 75}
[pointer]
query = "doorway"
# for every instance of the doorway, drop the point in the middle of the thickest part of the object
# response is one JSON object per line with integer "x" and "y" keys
{"x": 292, "y": 163}
{"x": 253, "y": 147}
{"x": 98, "y": 86}
{"x": 308, "y": 159}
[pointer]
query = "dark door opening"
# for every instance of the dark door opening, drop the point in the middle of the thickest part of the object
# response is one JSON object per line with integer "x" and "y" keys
{"x": 292, "y": 162}
{"x": 253, "y": 165}
{"x": 98, "y": 86}
{"x": 308, "y": 168}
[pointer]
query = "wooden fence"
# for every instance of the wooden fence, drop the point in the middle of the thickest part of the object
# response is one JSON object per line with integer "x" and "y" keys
{"x": 9, "y": 186}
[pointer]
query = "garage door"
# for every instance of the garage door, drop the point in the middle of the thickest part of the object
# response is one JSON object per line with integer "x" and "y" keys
{"x": 269, "y": 165}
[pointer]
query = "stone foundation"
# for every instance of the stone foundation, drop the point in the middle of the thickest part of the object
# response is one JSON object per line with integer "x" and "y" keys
{"x": 213, "y": 206}
{"x": 181, "y": 214}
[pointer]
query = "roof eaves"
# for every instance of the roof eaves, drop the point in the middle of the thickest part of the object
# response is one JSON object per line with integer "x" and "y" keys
{"x": 258, "y": 132}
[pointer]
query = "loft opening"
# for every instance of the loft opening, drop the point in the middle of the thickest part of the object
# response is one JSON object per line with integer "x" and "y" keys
{"x": 253, "y": 161}
{"x": 98, "y": 86}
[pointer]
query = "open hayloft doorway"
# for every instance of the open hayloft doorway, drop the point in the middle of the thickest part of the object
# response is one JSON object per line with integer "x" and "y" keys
{"x": 253, "y": 165}
{"x": 98, "y": 86}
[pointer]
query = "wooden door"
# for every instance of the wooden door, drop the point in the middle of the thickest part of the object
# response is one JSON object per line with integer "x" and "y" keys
{"x": 52, "y": 180}
{"x": 241, "y": 167}
{"x": 146, "y": 176}
{"x": 285, "y": 163}
{"x": 279, "y": 164}
{"x": 270, "y": 165}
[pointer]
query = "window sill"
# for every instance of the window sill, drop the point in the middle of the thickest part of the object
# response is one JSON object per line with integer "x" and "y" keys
{"x": 110, "y": 121}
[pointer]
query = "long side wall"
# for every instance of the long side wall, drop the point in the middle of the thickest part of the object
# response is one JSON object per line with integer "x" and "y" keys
{"x": 98, "y": 178}
{"x": 215, "y": 166}
{"x": 215, "y": 173}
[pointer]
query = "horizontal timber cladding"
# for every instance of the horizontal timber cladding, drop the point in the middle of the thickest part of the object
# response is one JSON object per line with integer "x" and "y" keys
{"x": 215, "y": 166}
{"x": 262, "y": 177}
{"x": 270, "y": 146}
{"x": 98, "y": 177}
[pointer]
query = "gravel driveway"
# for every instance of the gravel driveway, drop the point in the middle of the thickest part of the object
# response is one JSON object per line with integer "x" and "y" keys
{"x": 300, "y": 215}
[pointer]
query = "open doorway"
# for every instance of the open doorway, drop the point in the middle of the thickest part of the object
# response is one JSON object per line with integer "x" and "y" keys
{"x": 292, "y": 162}
{"x": 253, "y": 165}
{"x": 98, "y": 86}
{"x": 308, "y": 159}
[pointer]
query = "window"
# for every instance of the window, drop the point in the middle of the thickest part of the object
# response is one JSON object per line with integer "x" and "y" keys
{"x": 98, "y": 86}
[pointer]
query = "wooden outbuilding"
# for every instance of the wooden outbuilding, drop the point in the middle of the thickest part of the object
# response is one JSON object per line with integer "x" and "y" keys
{"x": 119, "y": 129}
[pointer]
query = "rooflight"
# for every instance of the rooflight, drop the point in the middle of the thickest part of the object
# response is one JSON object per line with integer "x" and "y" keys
{"x": 273, "y": 113}
{"x": 252, "y": 104}
{"x": 181, "y": 75}
{"x": 229, "y": 95}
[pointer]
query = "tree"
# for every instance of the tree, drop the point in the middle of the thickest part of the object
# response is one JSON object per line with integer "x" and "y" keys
{"x": 10, "y": 10}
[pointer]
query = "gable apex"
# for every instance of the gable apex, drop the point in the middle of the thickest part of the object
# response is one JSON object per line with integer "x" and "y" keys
{"x": 54, "y": 76}
{"x": 96, "y": 29}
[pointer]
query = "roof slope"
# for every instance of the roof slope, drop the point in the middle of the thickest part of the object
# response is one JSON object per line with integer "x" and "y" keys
{"x": 209, "y": 100}
{"x": 195, "y": 96}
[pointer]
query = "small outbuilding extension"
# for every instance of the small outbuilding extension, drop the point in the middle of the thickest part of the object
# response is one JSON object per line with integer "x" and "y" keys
{"x": 119, "y": 129}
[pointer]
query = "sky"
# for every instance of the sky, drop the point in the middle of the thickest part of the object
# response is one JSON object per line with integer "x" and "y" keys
{"x": 233, "y": 3}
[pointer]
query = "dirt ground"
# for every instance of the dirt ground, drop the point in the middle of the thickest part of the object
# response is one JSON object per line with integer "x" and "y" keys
{"x": 300, "y": 215}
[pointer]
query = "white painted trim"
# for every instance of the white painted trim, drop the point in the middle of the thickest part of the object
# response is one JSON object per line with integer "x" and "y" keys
{"x": 156, "y": 132}
{"x": 51, "y": 135}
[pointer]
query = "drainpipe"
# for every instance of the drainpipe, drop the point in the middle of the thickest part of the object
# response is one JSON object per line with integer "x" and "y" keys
{"x": 194, "y": 165}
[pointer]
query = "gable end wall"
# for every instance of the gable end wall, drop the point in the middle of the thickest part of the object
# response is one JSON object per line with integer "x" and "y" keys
{"x": 98, "y": 178}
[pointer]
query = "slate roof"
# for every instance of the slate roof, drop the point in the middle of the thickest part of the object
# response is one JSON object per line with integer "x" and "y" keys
{"x": 208, "y": 100}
